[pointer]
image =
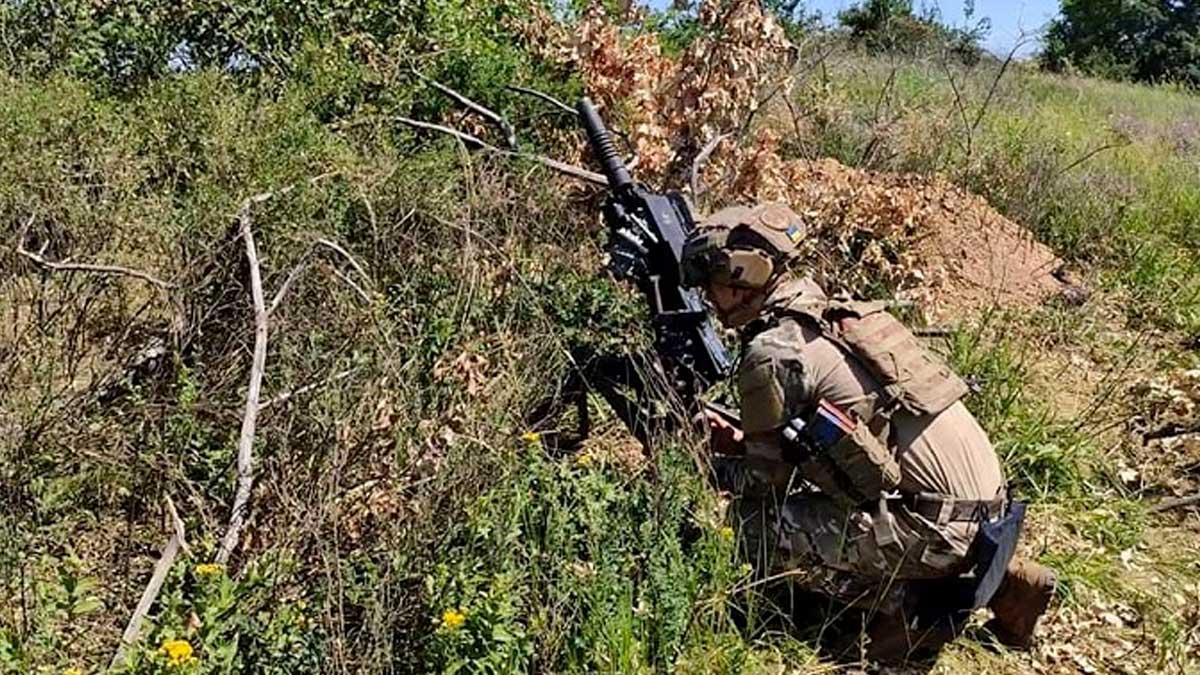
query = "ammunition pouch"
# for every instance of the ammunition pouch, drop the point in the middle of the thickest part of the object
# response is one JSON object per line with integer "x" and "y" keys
{"x": 912, "y": 377}
{"x": 854, "y": 470}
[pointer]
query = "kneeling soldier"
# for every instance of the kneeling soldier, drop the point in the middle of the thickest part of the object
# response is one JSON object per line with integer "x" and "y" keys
{"x": 906, "y": 509}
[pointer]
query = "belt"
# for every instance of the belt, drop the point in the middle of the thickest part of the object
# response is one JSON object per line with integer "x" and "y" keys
{"x": 943, "y": 509}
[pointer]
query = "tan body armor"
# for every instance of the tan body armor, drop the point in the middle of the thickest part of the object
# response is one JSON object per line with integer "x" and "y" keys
{"x": 862, "y": 466}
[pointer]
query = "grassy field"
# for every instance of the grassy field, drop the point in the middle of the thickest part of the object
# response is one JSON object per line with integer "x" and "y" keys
{"x": 404, "y": 519}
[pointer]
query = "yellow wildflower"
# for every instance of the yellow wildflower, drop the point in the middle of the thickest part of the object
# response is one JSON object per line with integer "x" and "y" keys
{"x": 531, "y": 437}
{"x": 726, "y": 532}
{"x": 178, "y": 652}
{"x": 453, "y": 619}
{"x": 208, "y": 569}
{"x": 72, "y": 671}
{"x": 583, "y": 460}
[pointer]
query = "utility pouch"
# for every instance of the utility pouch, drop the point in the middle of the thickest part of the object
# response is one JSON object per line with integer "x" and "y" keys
{"x": 954, "y": 598}
{"x": 920, "y": 382}
{"x": 913, "y": 377}
{"x": 995, "y": 544}
{"x": 804, "y": 445}
{"x": 840, "y": 456}
{"x": 866, "y": 462}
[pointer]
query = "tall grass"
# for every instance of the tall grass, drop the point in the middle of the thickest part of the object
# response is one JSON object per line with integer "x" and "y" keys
{"x": 402, "y": 523}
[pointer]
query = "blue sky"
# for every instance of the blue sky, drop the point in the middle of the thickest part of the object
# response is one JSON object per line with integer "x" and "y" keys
{"x": 1008, "y": 16}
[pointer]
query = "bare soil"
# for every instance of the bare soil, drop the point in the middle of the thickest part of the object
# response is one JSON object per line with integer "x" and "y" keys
{"x": 945, "y": 248}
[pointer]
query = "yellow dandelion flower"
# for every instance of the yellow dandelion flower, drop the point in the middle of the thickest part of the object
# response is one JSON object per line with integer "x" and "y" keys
{"x": 583, "y": 460}
{"x": 208, "y": 569}
{"x": 453, "y": 619}
{"x": 531, "y": 437}
{"x": 178, "y": 652}
{"x": 72, "y": 671}
{"x": 726, "y": 533}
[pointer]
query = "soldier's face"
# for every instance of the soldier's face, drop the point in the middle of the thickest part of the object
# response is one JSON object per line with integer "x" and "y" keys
{"x": 735, "y": 306}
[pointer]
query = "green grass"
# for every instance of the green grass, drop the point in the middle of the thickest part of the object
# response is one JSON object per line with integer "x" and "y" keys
{"x": 1132, "y": 208}
{"x": 403, "y": 491}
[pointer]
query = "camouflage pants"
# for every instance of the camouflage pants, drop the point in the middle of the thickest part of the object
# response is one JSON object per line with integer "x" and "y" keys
{"x": 856, "y": 557}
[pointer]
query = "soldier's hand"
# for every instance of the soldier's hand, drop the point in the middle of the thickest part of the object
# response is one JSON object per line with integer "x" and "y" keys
{"x": 723, "y": 437}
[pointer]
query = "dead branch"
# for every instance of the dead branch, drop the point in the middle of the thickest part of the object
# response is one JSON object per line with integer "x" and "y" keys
{"x": 698, "y": 163}
{"x": 510, "y": 134}
{"x": 959, "y": 107}
{"x": 337, "y": 248}
{"x": 1022, "y": 40}
{"x": 1086, "y": 156}
{"x": 303, "y": 266}
{"x": 245, "y": 456}
{"x": 166, "y": 559}
{"x": 288, "y": 395}
{"x": 1168, "y": 504}
{"x": 363, "y": 295}
{"x": 64, "y": 266}
{"x": 543, "y": 96}
{"x": 562, "y": 167}
{"x": 292, "y": 276}
{"x": 970, "y": 127}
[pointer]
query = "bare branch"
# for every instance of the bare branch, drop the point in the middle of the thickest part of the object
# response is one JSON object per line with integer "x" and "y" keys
{"x": 363, "y": 295}
{"x": 698, "y": 163}
{"x": 292, "y": 276}
{"x": 176, "y": 524}
{"x": 1168, "y": 504}
{"x": 1086, "y": 156}
{"x": 116, "y": 270}
{"x": 1022, "y": 40}
{"x": 543, "y": 96}
{"x": 245, "y": 456}
{"x": 960, "y": 107}
{"x": 336, "y": 248}
{"x": 510, "y": 134}
{"x": 562, "y": 167}
{"x": 166, "y": 559}
{"x": 286, "y": 396}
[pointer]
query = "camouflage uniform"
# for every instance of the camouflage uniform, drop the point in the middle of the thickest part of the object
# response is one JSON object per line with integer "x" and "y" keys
{"x": 857, "y": 556}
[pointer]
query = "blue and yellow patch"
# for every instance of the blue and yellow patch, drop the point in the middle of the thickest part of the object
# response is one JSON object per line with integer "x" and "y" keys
{"x": 795, "y": 233}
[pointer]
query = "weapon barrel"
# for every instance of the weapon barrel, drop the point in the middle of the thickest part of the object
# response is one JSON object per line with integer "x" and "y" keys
{"x": 602, "y": 145}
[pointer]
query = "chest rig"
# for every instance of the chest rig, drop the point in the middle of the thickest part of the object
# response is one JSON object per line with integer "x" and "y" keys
{"x": 861, "y": 466}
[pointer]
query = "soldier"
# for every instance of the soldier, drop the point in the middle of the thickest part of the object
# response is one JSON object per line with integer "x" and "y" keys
{"x": 900, "y": 477}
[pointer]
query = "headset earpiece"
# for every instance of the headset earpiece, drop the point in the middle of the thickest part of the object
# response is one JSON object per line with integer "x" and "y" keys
{"x": 750, "y": 267}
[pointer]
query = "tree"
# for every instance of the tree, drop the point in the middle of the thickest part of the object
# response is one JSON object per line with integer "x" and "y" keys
{"x": 892, "y": 25}
{"x": 1146, "y": 40}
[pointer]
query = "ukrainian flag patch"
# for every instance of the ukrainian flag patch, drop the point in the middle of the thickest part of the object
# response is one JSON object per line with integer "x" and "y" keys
{"x": 795, "y": 234}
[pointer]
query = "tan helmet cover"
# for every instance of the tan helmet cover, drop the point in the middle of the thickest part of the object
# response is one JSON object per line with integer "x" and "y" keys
{"x": 741, "y": 246}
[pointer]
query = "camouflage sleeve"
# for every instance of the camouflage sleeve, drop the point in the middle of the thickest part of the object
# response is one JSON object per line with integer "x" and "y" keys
{"x": 773, "y": 389}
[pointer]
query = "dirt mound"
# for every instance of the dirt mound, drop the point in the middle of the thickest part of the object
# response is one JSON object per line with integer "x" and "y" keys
{"x": 975, "y": 258}
{"x": 940, "y": 246}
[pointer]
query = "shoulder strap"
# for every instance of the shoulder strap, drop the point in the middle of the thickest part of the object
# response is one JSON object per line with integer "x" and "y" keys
{"x": 910, "y": 375}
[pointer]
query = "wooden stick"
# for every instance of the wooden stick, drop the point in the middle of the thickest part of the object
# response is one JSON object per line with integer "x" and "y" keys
{"x": 1168, "y": 504}
{"x": 510, "y": 134}
{"x": 336, "y": 248}
{"x": 543, "y": 96}
{"x": 288, "y": 395}
{"x": 362, "y": 295}
{"x": 166, "y": 559}
{"x": 701, "y": 158}
{"x": 292, "y": 276}
{"x": 563, "y": 167}
{"x": 116, "y": 270}
{"x": 245, "y": 456}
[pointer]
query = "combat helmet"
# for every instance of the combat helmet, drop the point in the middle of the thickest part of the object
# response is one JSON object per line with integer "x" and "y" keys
{"x": 746, "y": 247}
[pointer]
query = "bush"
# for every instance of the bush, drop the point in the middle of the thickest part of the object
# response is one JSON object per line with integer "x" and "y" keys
{"x": 892, "y": 26}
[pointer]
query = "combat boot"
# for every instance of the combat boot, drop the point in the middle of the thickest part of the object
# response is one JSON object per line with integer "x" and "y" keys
{"x": 1022, "y": 598}
{"x": 894, "y": 641}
